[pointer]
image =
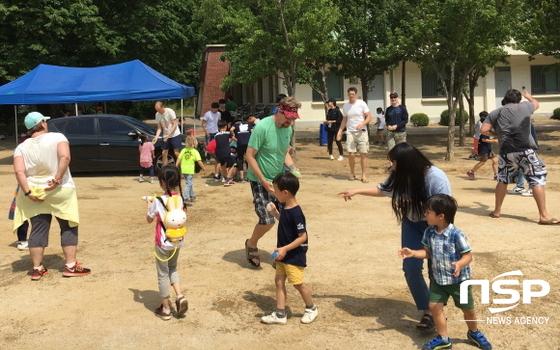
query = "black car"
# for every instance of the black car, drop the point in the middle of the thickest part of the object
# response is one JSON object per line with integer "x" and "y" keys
{"x": 103, "y": 142}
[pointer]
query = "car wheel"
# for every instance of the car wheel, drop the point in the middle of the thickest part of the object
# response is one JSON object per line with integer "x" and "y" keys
{"x": 159, "y": 161}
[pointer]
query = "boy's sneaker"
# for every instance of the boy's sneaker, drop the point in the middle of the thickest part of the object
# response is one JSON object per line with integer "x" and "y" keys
{"x": 470, "y": 174}
{"x": 478, "y": 339}
{"x": 473, "y": 156}
{"x": 516, "y": 190}
{"x": 528, "y": 193}
{"x": 438, "y": 344}
{"x": 162, "y": 314}
{"x": 141, "y": 179}
{"x": 37, "y": 274}
{"x": 229, "y": 183}
{"x": 77, "y": 270}
{"x": 216, "y": 176}
{"x": 22, "y": 245}
{"x": 182, "y": 305}
{"x": 273, "y": 319}
{"x": 310, "y": 315}
{"x": 153, "y": 181}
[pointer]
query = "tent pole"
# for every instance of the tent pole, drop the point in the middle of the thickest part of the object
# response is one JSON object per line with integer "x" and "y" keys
{"x": 15, "y": 121}
{"x": 76, "y": 107}
{"x": 182, "y": 116}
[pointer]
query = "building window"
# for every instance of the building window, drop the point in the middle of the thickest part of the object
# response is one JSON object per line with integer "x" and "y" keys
{"x": 544, "y": 80}
{"x": 334, "y": 84}
{"x": 431, "y": 86}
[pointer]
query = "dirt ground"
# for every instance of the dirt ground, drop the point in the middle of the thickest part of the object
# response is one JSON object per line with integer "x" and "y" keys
{"x": 353, "y": 269}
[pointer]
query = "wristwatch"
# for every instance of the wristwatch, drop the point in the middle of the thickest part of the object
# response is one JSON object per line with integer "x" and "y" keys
{"x": 27, "y": 193}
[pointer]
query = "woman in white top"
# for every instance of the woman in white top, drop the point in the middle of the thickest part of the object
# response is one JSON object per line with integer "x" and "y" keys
{"x": 46, "y": 189}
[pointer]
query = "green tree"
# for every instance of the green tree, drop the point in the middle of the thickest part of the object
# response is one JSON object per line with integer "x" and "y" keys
{"x": 266, "y": 37}
{"x": 451, "y": 38}
{"x": 86, "y": 33}
{"x": 539, "y": 31}
{"x": 368, "y": 39}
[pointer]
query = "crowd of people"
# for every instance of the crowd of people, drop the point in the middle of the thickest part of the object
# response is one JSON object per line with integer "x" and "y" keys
{"x": 420, "y": 195}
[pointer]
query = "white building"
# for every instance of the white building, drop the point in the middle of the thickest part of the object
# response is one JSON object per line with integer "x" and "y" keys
{"x": 421, "y": 95}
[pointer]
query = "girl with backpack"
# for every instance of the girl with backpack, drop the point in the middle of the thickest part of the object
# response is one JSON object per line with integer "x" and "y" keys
{"x": 167, "y": 252}
{"x": 188, "y": 160}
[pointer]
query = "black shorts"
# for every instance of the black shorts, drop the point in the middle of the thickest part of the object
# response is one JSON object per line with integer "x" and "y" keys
{"x": 172, "y": 143}
{"x": 228, "y": 161}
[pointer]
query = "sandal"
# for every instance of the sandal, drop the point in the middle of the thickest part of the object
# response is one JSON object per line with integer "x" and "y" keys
{"x": 364, "y": 181}
{"x": 426, "y": 324}
{"x": 493, "y": 216}
{"x": 252, "y": 258}
{"x": 352, "y": 178}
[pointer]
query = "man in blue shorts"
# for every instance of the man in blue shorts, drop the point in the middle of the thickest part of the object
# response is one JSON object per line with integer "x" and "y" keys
{"x": 267, "y": 152}
{"x": 167, "y": 126}
{"x": 512, "y": 123}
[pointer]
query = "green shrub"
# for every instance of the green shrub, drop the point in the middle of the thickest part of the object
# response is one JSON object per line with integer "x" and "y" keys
{"x": 444, "y": 117}
{"x": 556, "y": 114}
{"x": 420, "y": 119}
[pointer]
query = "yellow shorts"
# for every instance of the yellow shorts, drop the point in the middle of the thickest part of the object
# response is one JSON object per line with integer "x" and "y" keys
{"x": 294, "y": 273}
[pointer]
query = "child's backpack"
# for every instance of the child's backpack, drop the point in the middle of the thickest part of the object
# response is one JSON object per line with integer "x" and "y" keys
{"x": 173, "y": 222}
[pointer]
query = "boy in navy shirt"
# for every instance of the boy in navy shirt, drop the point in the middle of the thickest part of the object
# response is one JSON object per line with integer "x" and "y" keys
{"x": 291, "y": 247}
{"x": 484, "y": 152}
{"x": 223, "y": 152}
{"x": 242, "y": 131}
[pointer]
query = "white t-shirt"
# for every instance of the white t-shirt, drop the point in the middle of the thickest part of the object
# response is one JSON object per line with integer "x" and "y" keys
{"x": 40, "y": 156}
{"x": 158, "y": 210}
{"x": 166, "y": 121}
{"x": 381, "y": 124}
{"x": 356, "y": 114}
{"x": 212, "y": 121}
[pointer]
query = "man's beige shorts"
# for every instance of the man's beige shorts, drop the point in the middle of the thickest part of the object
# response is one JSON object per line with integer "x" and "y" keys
{"x": 357, "y": 141}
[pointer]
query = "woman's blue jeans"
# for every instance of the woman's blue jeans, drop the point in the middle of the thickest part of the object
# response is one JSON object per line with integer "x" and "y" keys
{"x": 411, "y": 237}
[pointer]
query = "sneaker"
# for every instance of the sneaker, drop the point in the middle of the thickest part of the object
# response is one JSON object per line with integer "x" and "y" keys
{"x": 478, "y": 339}
{"x": 153, "y": 181}
{"x": 339, "y": 158}
{"x": 22, "y": 245}
{"x": 37, "y": 274}
{"x": 161, "y": 314}
{"x": 516, "y": 190}
{"x": 438, "y": 344}
{"x": 473, "y": 156}
{"x": 77, "y": 270}
{"x": 528, "y": 193}
{"x": 273, "y": 319}
{"x": 222, "y": 179}
{"x": 470, "y": 174}
{"x": 310, "y": 315}
{"x": 182, "y": 305}
{"x": 229, "y": 183}
{"x": 331, "y": 157}
{"x": 216, "y": 176}
{"x": 141, "y": 179}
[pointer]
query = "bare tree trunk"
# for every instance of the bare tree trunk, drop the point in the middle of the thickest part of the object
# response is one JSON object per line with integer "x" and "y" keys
{"x": 461, "y": 120}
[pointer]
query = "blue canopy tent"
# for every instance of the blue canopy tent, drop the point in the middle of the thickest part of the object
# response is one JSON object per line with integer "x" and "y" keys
{"x": 128, "y": 81}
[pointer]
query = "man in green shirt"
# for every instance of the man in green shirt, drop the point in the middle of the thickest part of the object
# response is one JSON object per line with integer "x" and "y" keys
{"x": 230, "y": 105}
{"x": 267, "y": 153}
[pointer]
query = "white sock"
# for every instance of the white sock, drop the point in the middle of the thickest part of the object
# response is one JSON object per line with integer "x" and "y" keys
{"x": 71, "y": 265}
{"x": 39, "y": 268}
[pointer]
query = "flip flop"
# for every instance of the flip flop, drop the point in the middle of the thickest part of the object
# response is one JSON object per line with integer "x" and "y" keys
{"x": 251, "y": 256}
{"x": 552, "y": 221}
{"x": 365, "y": 181}
{"x": 493, "y": 216}
{"x": 352, "y": 178}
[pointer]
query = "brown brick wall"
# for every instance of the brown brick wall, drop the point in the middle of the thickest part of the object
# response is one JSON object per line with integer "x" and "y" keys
{"x": 213, "y": 71}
